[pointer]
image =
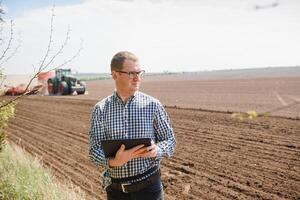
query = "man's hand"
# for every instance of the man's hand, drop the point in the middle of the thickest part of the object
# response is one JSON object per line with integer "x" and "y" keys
{"x": 123, "y": 156}
{"x": 149, "y": 152}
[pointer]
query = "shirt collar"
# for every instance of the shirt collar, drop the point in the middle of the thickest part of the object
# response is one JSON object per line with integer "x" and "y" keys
{"x": 117, "y": 97}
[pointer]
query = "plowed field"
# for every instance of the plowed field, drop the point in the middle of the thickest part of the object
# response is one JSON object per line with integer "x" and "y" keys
{"x": 216, "y": 157}
{"x": 190, "y": 91}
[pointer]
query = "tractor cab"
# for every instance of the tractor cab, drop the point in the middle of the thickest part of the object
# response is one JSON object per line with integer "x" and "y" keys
{"x": 59, "y": 73}
{"x": 64, "y": 83}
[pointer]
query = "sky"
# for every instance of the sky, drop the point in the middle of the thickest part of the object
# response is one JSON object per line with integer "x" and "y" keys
{"x": 166, "y": 35}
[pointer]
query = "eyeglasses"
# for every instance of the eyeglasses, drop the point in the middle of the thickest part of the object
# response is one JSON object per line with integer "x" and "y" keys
{"x": 131, "y": 75}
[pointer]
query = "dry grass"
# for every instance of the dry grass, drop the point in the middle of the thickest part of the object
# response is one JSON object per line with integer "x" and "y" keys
{"x": 23, "y": 177}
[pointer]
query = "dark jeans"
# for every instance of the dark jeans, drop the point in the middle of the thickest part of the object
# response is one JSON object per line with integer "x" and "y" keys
{"x": 153, "y": 192}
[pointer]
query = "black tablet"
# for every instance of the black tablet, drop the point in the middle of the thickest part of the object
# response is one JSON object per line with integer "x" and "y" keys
{"x": 110, "y": 147}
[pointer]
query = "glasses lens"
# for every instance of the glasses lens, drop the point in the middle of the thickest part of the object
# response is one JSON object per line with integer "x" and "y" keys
{"x": 136, "y": 74}
{"x": 132, "y": 74}
{"x": 142, "y": 73}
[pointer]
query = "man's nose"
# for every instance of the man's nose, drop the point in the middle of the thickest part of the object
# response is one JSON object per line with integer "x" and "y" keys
{"x": 136, "y": 77}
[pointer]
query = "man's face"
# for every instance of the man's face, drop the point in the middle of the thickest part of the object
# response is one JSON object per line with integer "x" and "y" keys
{"x": 124, "y": 82}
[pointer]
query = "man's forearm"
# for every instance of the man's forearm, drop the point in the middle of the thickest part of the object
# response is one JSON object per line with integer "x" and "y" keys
{"x": 97, "y": 157}
{"x": 166, "y": 148}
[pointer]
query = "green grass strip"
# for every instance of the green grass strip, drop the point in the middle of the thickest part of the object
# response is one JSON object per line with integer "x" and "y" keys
{"x": 23, "y": 177}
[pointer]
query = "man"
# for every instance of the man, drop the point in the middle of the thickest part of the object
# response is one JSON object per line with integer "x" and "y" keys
{"x": 129, "y": 114}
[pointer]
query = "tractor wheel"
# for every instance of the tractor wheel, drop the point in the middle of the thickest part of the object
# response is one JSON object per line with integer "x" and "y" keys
{"x": 63, "y": 88}
{"x": 50, "y": 87}
{"x": 81, "y": 92}
{"x": 81, "y": 83}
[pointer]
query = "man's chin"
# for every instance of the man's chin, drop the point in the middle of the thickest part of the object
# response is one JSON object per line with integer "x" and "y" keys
{"x": 135, "y": 88}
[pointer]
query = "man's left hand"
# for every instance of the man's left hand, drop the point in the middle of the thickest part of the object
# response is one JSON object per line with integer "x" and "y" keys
{"x": 149, "y": 152}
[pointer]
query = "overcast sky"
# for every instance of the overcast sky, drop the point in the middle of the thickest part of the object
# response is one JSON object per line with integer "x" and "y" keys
{"x": 167, "y": 35}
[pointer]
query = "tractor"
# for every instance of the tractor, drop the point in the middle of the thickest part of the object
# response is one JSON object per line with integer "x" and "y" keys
{"x": 63, "y": 83}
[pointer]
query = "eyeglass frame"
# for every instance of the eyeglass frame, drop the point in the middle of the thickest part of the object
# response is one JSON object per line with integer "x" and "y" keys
{"x": 132, "y": 75}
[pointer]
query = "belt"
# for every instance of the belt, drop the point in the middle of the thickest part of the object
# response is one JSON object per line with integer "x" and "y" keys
{"x": 134, "y": 187}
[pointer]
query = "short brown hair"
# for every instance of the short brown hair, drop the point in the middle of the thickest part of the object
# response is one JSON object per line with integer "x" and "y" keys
{"x": 118, "y": 60}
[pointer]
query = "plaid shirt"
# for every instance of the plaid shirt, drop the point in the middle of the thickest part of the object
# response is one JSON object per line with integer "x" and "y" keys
{"x": 140, "y": 117}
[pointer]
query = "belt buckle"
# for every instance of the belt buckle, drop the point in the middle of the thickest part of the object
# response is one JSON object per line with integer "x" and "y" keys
{"x": 124, "y": 188}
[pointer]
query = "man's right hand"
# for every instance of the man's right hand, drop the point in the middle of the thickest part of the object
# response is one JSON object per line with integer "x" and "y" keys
{"x": 123, "y": 156}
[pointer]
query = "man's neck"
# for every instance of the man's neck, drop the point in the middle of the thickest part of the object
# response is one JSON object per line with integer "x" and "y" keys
{"x": 124, "y": 95}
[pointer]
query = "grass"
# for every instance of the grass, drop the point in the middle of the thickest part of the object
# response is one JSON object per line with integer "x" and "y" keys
{"x": 23, "y": 177}
{"x": 94, "y": 78}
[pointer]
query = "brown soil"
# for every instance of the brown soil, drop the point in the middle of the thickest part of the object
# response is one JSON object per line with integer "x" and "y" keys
{"x": 216, "y": 157}
{"x": 190, "y": 91}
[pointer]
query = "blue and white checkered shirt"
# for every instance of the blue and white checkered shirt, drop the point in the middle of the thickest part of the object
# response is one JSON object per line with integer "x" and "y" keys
{"x": 142, "y": 116}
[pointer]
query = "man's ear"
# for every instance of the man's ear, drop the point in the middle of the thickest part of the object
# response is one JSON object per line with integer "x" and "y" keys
{"x": 114, "y": 75}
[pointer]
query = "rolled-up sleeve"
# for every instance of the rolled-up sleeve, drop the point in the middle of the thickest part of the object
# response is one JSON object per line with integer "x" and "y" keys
{"x": 96, "y": 132}
{"x": 164, "y": 133}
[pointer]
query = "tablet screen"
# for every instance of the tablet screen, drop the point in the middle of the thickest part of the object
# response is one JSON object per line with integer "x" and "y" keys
{"x": 110, "y": 147}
